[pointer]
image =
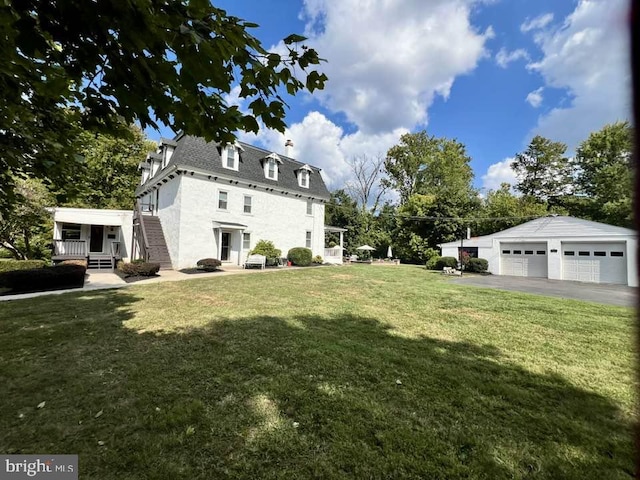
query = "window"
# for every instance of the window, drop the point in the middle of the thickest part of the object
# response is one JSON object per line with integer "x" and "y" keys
{"x": 541, "y": 252}
{"x": 582, "y": 253}
{"x": 247, "y": 204}
{"x": 506, "y": 252}
{"x": 517, "y": 252}
{"x": 246, "y": 241}
{"x": 308, "y": 242}
{"x": 222, "y": 200}
{"x": 528, "y": 252}
{"x": 230, "y": 157}
{"x": 309, "y": 207}
{"x": 271, "y": 170}
{"x": 304, "y": 178}
{"x": 617, "y": 254}
{"x": 599, "y": 254}
{"x": 71, "y": 231}
{"x": 569, "y": 253}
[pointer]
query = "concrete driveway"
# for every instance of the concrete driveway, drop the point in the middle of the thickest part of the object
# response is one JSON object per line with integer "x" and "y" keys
{"x": 619, "y": 295}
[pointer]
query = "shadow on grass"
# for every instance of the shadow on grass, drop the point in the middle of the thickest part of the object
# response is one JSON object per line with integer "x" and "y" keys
{"x": 294, "y": 397}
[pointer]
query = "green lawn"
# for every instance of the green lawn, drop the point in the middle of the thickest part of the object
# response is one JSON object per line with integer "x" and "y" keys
{"x": 361, "y": 371}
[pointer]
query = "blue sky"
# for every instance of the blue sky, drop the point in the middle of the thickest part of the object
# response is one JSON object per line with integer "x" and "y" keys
{"x": 491, "y": 73}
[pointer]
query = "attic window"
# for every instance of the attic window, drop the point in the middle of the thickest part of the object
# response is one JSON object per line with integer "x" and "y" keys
{"x": 303, "y": 176}
{"x": 271, "y": 166}
{"x": 230, "y": 157}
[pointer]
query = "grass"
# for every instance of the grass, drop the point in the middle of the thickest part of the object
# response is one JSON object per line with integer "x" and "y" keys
{"x": 361, "y": 371}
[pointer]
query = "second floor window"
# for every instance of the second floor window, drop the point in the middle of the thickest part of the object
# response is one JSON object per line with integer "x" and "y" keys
{"x": 222, "y": 200}
{"x": 247, "y": 204}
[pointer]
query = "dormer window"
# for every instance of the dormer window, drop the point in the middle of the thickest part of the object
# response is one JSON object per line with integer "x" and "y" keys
{"x": 231, "y": 156}
{"x": 270, "y": 163}
{"x": 303, "y": 176}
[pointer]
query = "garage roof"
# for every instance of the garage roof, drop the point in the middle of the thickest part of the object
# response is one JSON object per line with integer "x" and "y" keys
{"x": 550, "y": 227}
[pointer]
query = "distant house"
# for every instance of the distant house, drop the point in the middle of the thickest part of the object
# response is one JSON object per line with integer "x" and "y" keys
{"x": 199, "y": 199}
{"x": 557, "y": 247}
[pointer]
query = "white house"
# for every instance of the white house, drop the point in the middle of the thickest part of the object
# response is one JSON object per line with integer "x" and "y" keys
{"x": 101, "y": 236}
{"x": 557, "y": 247}
{"x": 200, "y": 199}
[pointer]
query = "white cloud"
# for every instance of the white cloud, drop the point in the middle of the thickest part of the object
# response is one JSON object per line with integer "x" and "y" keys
{"x": 504, "y": 57}
{"x": 535, "y": 98}
{"x": 499, "y": 173}
{"x": 387, "y": 62}
{"x": 537, "y": 23}
{"x": 587, "y": 56}
{"x": 321, "y": 143}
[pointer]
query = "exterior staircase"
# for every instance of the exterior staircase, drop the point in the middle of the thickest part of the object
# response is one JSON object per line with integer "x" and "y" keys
{"x": 157, "y": 251}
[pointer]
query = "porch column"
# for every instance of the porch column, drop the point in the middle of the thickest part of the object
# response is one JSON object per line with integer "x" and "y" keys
{"x": 341, "y": 241}
{"x": 220, "y": 244}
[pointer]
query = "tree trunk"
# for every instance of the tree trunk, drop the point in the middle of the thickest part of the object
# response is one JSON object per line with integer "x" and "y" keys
{"x": 18, "y": 255}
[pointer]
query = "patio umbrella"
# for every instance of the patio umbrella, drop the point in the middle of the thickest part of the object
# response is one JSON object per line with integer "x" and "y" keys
{"x": 389, "y": 252}
{"x": 366, "y": 247}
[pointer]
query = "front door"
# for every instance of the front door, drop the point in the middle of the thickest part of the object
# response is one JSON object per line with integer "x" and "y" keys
{"x": 226, "y": 242}
{"x": 96, "y": 239}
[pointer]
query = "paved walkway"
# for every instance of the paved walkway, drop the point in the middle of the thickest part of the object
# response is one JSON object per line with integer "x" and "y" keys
{"x": 97, "y": 280}
{"x": 619, "y": 295}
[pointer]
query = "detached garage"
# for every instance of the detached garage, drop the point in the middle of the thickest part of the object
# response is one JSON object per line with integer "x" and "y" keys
{"x": 558, "y": 247}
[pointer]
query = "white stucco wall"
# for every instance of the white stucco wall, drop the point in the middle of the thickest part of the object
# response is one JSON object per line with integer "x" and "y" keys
{"x": 188, "y": 208}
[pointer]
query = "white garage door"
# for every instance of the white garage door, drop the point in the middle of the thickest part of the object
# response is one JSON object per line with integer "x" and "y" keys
{"x": 595, "y": 262}
{"x": 523, "y": 259}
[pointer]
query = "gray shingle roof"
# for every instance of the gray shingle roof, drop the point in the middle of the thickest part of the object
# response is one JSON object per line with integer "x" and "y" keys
{"x": 197, "y": 153}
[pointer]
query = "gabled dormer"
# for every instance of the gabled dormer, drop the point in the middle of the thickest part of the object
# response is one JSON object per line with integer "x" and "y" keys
{"x": 166, "y": 149}
{"x": 230, "y": 155}
{"x": 270, "y": 164}
{"x": 145, "y": 169}
{"x": 304, "y": 176}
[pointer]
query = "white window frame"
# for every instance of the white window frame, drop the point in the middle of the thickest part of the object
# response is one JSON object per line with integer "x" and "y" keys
{"x": 67, "y": 228}
{"x": 303, "y": 178}
{"x": 310, "y": 207}
{"x": 269, "y": 165}
{"x": 245, "y": 205}
{"x": 226, "y": 200}
{"x": 236, "y": 157}
{"x": 308, "y": 239}
{"x": 246, "y": 239}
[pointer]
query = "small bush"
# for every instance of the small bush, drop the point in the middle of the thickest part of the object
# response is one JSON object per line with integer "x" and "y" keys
{"x": 43, "y": 279}
{"x": 209, "y": 264}
{"x": 442, "y": 262}
{"x": 82, "y": 263}
{"x": 317, "y": 259}
{"x": 477, "y": 265}
{"x": 135, "y": 269}
{"x": 432, "y": 263}
{"x": 269, "y": 250}
{"x": 11, "y": 265}
{"x": 300, "y": 256}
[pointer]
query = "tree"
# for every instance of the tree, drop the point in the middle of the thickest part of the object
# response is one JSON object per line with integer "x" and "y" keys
{"x": 109, "y": 174}
{"x": 342, "y": 211}
{"x": 543, "y": 170}
{"x": 366, "y": 185}
{"x": 606, "y": 173}
{"x": 26, "y": 230}
{"x": 112, "y": 64}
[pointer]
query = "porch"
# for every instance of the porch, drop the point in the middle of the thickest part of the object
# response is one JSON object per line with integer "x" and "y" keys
{"x": 78, "y": 250}
{"x": 333, "y": 253}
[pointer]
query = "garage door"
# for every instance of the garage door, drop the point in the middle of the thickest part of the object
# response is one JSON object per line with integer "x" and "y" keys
{"x": 523, "y": 259}
{"x": 595, "y": 262}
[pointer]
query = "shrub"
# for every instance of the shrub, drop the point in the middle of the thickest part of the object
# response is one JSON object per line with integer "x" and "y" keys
{"x": 432, "y": 263}
{"x": 82, "y": 263}
{"x": 209, "y": 264}
{"x": 11, "y": 265}
{"x": 142, "y": 269}
{"x": 268, "y": 249}
{"x": 317, "y": 259}
{"x": 300, "y": 256}
{"x": 477, "y": 265}
{"x": 43, "y": 279}
{"x": 442, "y": 262}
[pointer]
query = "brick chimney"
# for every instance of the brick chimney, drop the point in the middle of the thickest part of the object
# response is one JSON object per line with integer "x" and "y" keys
{"x": 288, "y": 148}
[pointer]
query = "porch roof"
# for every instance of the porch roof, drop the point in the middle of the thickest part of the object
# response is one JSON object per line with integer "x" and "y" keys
{"x": 90, "y": 216}
{"x": 329, "y": 228}
{"x": 229, "y": 225}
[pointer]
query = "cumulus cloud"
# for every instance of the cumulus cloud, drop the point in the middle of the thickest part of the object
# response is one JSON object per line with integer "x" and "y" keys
{"x": 499, "y": 173}
{"x": 386, "y": 62}
{"x": 588, "y": 57}
{"x": 504, "y": 57}
{"x": 535, "y": 98}
{"x": 537, "y": 22}
{"x": 321, "y": 143}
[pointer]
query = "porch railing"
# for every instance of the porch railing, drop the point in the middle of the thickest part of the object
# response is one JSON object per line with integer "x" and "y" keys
{"x": 333, "y": 255}
{"x": 70, "y": 248}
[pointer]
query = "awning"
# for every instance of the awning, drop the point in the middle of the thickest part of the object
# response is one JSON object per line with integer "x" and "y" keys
{"x": 229, "y": 225}
{"x": 329, "y": 228}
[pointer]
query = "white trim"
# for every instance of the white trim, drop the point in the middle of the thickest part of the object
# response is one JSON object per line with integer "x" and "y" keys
{"x": 226, "y": 201}
{"x": 225, "y": 157}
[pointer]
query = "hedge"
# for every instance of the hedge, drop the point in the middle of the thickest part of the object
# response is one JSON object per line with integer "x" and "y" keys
{"x": 300, "y": 256}
{"x": 74, "y": 262}
{"x": 11, "y": 265}
{"x": 43, "y": 279}
{"x": 477, "y": 265}
{"x": 442, "y": 262}
{"x": 209, "y": 264}
{"x": 432, "y": 263}
{"x": 141, "y": 269}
